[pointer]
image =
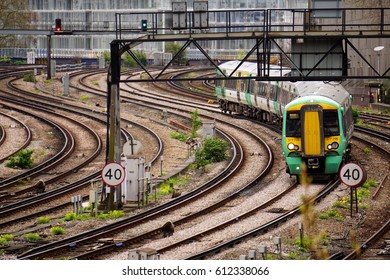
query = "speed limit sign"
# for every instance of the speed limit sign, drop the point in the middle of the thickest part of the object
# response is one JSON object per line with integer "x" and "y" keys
{"x": 113, "y": 174}
{"x": 353, "y": 174}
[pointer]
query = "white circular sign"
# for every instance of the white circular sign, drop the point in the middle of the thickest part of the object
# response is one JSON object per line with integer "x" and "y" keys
{"x": 113, "y": 174}
{"x": 352, "y": 174}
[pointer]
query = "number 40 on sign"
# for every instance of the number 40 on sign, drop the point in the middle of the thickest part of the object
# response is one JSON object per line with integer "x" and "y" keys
{"x": 353, "y": 174}
{"x": 113, "y": 174}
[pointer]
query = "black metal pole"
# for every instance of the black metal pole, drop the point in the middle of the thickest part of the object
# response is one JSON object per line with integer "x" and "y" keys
{"x": 48, "y": 57}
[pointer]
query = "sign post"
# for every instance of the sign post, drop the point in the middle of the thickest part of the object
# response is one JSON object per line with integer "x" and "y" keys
{"x": 113, "y": 175}
{"x": 353, "y": 175}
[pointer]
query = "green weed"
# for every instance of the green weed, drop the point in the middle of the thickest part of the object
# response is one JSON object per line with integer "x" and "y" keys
{"x": 23, "y": 159}
{"x": 44, "y": 220}
{"x": 31, "y": 236}
{"x": 5, "y": 238}
{"x": 57, "y": 230}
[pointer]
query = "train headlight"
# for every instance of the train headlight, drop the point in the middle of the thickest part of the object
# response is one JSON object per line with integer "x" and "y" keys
{"x": 333, "y": 146}
{"x": 291, "y": 146}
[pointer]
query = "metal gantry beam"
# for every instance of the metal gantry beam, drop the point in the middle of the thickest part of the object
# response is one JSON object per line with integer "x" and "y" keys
{"x": 262, "y": 57}
{"x": 277, "y": 33}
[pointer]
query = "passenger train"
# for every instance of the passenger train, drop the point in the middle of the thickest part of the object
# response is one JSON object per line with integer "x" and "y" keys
{"x": 316, "y": 117}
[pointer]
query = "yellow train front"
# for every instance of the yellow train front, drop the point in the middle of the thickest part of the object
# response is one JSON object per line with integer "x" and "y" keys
{"x": 317, "y": 128}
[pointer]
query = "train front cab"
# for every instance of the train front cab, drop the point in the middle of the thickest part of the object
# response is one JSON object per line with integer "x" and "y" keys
{"x": 312, "y": 139}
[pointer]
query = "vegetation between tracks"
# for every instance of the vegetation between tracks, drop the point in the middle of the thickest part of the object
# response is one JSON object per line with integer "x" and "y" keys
{"x": 311, "y": 241}
{"x": 23, "y": 159}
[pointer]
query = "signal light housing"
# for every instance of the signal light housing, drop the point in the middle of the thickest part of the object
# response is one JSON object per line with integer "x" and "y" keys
{"x": 144, "y": 25}
{"x": 58, "y": 26}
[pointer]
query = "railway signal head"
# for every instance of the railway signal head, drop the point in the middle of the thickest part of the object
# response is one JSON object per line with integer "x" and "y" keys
{"x": 58, "y": 25}
{"x": 144, "y": 25}
{"x": 58, "y": 28}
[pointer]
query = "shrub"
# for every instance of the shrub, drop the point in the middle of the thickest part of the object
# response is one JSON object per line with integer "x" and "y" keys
{"x": 5, "y": 238}
{"x": 5, "y": 60}
{"x": 174, "y": 48}
{"x": 332, "y": 213}
{"x": 370, "y": 183}
{"x": 339, "y": 203}
{"x": 168, "y": 186}
{"x": 366, "y": 150}
{"x": 70, "y": 216}
{"x": 179, "y": 136}
{"x": 115, "y": 214}
{"x": 44, "y": 220}
{"x": 128, "y": 60}
{"x": 362, "y": 194}
{"x": 196, "y": 123}
{"x": 355, "y": 115}
{"x": 165, "y": 189}
{"x": 57, "y": 230}
{"x": 23, "y": 159}
{"x": 107, "y": 57}
{"x": 306, "y": 242}
{"x": 29, "y": 78}
{"x": 32, "y": 236}
{"x": 213, "y": 150}
{"x": 84, "y": 97}
{"x": 323, "y": 216}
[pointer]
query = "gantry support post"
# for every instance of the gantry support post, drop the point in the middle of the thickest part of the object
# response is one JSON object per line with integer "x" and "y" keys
{"x": 114, "y": 121}
{"x": 48, "y": 57}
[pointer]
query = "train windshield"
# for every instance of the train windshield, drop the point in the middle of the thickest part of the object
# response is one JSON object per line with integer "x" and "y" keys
{"x": 293, "y": 124}
{"x": 331, "y": 123}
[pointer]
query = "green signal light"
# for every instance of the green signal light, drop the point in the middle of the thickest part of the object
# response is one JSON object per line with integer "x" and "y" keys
{"x": 144, "y": 25}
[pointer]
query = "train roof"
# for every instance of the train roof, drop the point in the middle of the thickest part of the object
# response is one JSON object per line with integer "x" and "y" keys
{"x": 332, "y": 90}
{"x": 250, "y": 68}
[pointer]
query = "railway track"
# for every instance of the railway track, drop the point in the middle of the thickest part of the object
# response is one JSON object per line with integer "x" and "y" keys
{"x": 13, "y": 123}
{"x": 262, "y": 228}
{"x": 69, "y": 188}
{"x": 377, "y": 122}
{"x": 383, "y": 149}
{"x": 200, "y": 211}
{"x": 65, "y": 152}
{"x": 137, "y": 219}
{"x": 375, "y": 247}
{"x": 105, "y": 252}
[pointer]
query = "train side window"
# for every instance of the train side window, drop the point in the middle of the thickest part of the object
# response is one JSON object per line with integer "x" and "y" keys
{"x": 254, "y": 86}
{"x": 276, "y": 91}
{"x": 293, "y": 124}
{"x": 272, "y": 92}
{"x": 244, "y": 85}
{"x": 262, "y": 89}
{"x": 259, "y": 89}
{"x": 331, "y": 123}
{"x": 230, "y": 84}
{"x": 284, "y": 97}
{"x": 348, "y": 120}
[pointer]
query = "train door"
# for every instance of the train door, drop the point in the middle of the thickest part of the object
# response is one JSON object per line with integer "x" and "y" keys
{"x": 223, "y": 86}
{"x": 238, "y": 88}
{"x": 312, "y": 129}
